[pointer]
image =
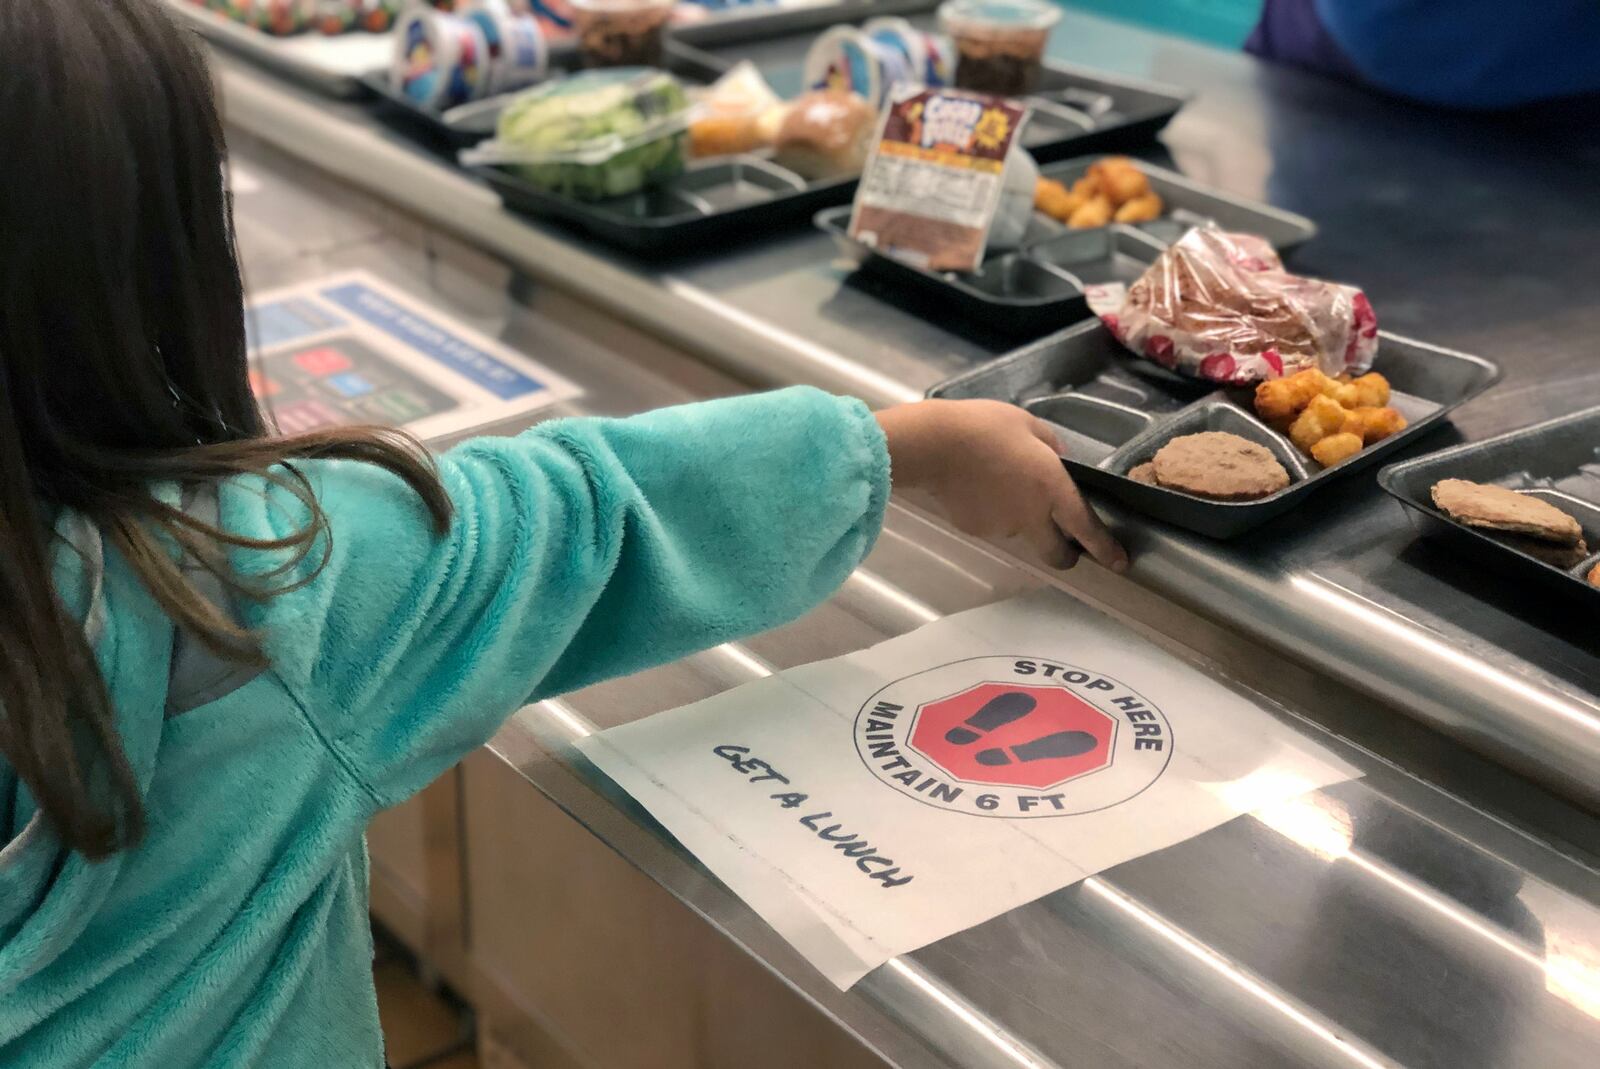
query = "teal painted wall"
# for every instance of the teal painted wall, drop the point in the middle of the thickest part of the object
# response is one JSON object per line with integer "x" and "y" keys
{"x": 1218, "y": 22}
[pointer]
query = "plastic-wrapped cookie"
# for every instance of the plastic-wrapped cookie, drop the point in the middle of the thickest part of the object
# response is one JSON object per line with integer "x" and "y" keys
{"x": 1219, "y": 466}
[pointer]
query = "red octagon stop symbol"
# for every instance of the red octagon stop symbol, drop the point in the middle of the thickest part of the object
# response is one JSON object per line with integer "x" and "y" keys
{"x": 1014, "y": 736}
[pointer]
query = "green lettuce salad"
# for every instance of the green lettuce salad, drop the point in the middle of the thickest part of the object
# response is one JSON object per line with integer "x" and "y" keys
{"x": 599, "y": 134}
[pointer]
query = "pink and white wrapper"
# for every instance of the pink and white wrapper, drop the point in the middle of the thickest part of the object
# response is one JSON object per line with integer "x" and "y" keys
{"x": 1220, "y": 307}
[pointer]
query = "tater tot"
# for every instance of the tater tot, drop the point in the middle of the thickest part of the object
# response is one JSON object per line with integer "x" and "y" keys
{"x": 1374, "y": 424}
{"x": 1123, "y": 184}
{"x": 1095, "y": 212}
{"x": 1055, "y": 199}
{"x": 1369, "y": 391}
{"x": 1336, "y": 447}
{"x": 1087, "y": 187}
{"x": 1322, "y": 417}
{"x": 1140, "y": 209}
{"x": 1279, "y": 401}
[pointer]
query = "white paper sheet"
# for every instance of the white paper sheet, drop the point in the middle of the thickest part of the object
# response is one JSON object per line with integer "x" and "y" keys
{"x": 872, "y": 804}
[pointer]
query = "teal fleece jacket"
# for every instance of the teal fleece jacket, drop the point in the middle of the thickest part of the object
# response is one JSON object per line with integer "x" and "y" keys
{"x": 236, "y": 934}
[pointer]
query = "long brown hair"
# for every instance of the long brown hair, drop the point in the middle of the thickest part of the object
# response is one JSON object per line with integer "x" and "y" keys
{"x": 123, "y": 364}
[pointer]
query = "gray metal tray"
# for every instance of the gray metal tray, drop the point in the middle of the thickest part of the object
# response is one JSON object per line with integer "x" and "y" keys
{"x": 1189, "y": 203}
{"x": 1039, "y": 286}
{"x": 1113, "y": 411}
{"x": 1558, "y": 460}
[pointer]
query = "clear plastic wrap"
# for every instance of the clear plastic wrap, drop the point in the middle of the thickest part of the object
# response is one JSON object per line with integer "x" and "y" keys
{"x": 1221, "y": 307}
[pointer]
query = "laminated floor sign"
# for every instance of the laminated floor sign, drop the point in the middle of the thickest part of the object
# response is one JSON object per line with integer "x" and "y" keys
{"x": 872, "y": 804}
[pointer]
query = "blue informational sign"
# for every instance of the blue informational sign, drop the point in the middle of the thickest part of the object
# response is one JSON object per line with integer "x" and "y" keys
{"x": 428, "y": 339}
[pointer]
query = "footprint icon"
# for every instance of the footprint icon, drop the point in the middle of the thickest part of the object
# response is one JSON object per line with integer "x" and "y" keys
{"x": 997, "y": 712}
{"x": 1060, "y": 744}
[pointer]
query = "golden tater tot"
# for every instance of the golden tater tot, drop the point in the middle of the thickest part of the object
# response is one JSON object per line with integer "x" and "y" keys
{"x": 1095, "y": 212}
{"x": 1336, "y": 447}
{"x": 1374, "y": 424}
{"x": 1279, "y": 401}
{"x": 1140, "y": 209}
{"x": 1322, "y": 417}
{"x": 1368, "y": 391}
{"x": 1087, "y": 187}
{"x": 1055, "y": 200}
{"x": 1123, "y": 184}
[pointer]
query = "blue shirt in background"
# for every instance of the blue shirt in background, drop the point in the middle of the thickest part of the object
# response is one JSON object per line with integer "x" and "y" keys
{"x": 1459, "y": 53}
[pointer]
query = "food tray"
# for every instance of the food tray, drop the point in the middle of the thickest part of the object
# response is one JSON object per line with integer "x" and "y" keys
{"x": 712, "y": 204}
{"x": 1039, "y": 286}
{"x": 466, "y": 125}
{"x": 1078, "y": 110}
{"x": 330, "y": 65}
{"x": 1188, "y": 203}
{"x": 1075, "y": 109}
{"x": 1114, "y": 411}
{"x": 1035, "y": 289}
{"x": 1558, "y": 460}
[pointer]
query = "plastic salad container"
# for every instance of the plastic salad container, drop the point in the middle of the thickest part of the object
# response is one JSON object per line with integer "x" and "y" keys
{"x": 999, "y": 43}
{"x": 594, "y": 135}
{"x": 621, "y": 33}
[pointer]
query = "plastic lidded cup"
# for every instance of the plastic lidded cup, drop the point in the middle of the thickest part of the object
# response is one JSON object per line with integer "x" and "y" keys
{"x": 621, "y": 33}
{"x": 999, "y": 43}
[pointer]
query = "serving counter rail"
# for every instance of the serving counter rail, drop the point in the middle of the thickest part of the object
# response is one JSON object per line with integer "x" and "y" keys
{"x": 1409, "y": 918}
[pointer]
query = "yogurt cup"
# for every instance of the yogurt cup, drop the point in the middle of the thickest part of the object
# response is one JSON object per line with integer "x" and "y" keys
{"x": 440, "y": 60}
{"x": 518, "y": 55}
{"x": 621, "y": 33}
{"x": 999, "y": 43}
{"x": 931, "y": 57}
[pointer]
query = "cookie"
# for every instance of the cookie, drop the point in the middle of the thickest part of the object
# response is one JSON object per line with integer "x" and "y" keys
{"x": 1144, "y": 473}
{"x": 1562, "y": 557}
{"x": 1219, "y": 466}
{"x": 1499, "y": 509}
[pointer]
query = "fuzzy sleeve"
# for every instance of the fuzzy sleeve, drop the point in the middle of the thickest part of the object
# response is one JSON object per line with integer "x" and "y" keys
{"x": 581, "y": 550}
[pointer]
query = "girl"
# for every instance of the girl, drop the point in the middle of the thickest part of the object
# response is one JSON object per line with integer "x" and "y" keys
{"x": 222, "y": 652}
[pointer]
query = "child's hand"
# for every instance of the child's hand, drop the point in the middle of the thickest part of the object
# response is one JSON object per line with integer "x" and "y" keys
{"x": 996, "y": 470}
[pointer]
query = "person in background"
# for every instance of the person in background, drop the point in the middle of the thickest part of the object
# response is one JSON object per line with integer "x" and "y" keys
{"x": 222, "y": 652}
{"x": 1477, "y": 54}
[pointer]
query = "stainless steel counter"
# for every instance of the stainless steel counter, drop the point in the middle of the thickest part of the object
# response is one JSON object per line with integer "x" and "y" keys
{"x": 1469, "y": 249}
{"x": 1378, "y": 923}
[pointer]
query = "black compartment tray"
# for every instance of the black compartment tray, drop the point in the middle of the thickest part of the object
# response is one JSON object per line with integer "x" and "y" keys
{"x": 1035, "y": 289}
{"x": 711, "y": 205}
{"x": 1558, "y": 460}
{"x": 1114, "y": 411}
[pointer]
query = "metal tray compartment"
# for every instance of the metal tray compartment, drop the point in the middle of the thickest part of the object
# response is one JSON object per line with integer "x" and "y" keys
{"x": 1558, "y": 460}
{"x": 466, "y": 125}
{"x": 1084, "y": 381}
{"x": 1189, "y": 203}
{"x": 712, "y": 204}
{"x": 1028, "y": 292}
{"x": 1118, "y": 253}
